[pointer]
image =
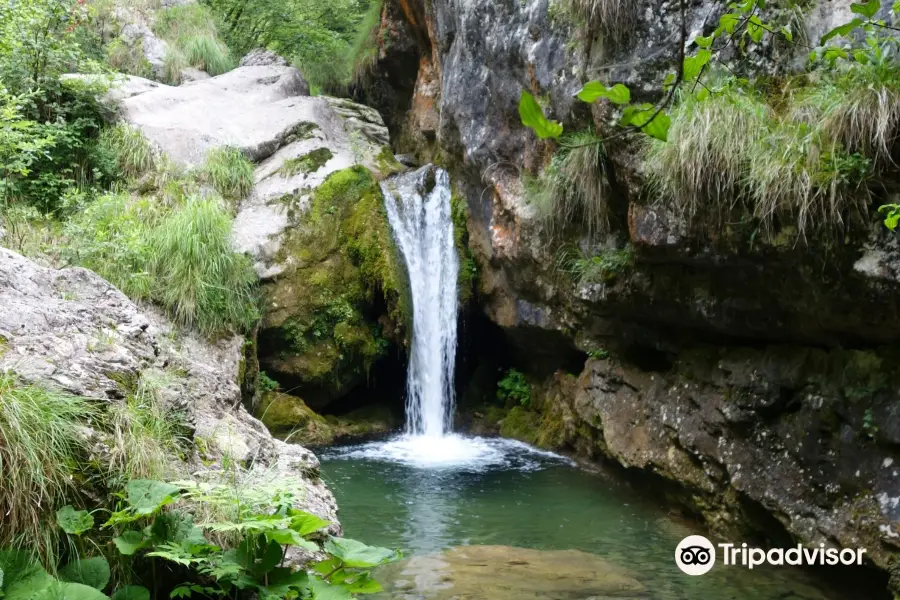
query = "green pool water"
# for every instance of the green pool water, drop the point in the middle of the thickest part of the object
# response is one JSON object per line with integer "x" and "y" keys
{"x": 536, "y": 501}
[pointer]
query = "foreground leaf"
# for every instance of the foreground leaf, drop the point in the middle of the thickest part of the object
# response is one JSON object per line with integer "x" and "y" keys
{"x": 130, "y": 542}
{"x": 146, "y": 496}
{"x": 93, "y": 572}
{"x": 593, "y": 91}
{"x": 358, "y": 555}
{"x": 131, "y": 592}
{"x": 532, "y": 116}
{"x": 322, "y": 590}
{"x": 74, "y": 522}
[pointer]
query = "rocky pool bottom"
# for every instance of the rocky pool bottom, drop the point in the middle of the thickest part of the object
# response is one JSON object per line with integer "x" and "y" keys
{"x": 492, "y": 519}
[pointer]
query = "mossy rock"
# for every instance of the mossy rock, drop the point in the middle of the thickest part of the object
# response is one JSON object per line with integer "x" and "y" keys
{"x": 307, "y": 163}
{"x": 467, "y": 281}
{"x": 289, "y": 418}
{"x": 342, "y": 297}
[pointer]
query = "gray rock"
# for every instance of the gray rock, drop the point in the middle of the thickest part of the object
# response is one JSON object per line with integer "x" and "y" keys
{"x": 71, "y": 329}
{"x": 192, "y": 74}
{"x": 261, "y": 57}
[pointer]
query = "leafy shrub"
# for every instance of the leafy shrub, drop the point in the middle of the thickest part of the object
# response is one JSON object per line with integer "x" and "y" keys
{"x": 41, "y": 440}
{"x": 25, "y": 579}
{"x": 241, "y": 544}
{"x": 515, "y": 388}
{"x": 128, "y": 148}
{"x": 324, "y": 39}
{"x": 229, "y": 172}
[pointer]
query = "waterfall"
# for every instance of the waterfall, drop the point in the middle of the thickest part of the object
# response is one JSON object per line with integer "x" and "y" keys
{"x": 418, "y": 208}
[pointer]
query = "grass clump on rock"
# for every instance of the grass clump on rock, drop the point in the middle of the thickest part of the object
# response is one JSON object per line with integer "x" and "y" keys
{"x": 228, "y": 171}
{"x": 307, "y": 163}
{"x": 41, "y": 443}
{"x": 732, "y": 158}
{"x": 193, "y": 37}
{"x": 179, "y": 257}
{"x": 128, "y": 149}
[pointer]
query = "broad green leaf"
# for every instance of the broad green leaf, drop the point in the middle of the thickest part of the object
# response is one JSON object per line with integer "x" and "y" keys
{"x": 841, "y": 30}
{"x": 787, "y": 33}
{"x": 358, "y": 555}
{"x": 74, "y": 522}
{"x": 23, "y": 578}
{"x": 89, "y": 571}
{"x": 593, "y": 91}
{"x": 628, "y": 115}
{"x": 704, "y": 41}
{"x": 271, "y": 556}
{"x": 290, "y": 537}
{"x": 729, "y": 21}
{"x": 896, "y": 7}
{"x": 182, "y": 591}
{"x": 130, "y": 542}
{"x": 283, "y": 579}
{"x": 322, "y": 590}
{"x": 702, "y": 94}
{"x": 131, "y": 592}
{"x": 755, "y": 29}
{"x": 658, "y": 127}
{"x": 60, "y": 590}
{"x": 305, "y": 523}
{"x": 861, "y": 56}
{"x": 532, "y": 116}
{"x": 362, "y": 583}
{"x": 694, "y": 64}
{"x": 866, "y": 9}
{"x": 146, "y": 496}
{"x": 669, "y": 81}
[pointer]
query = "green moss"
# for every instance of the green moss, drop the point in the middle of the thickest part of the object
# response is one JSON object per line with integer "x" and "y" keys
{"x": 307, "y": 163}
{"x": 290, "y": 418}
{"x": 302, "y": 131}
{"x": 468, "y": 269}
{"x": 387, "y": 164}
{"x": 521, "y": 424}
{"x": 327, "y": 325}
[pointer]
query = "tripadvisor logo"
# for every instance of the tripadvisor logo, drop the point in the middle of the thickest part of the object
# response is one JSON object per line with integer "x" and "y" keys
{"x": 696, "y": 555}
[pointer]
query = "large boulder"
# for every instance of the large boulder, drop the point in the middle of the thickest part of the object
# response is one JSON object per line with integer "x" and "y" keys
{"x": 72, "y": 330}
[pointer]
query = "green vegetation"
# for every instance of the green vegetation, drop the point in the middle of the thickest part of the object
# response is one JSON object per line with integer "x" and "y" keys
{"x": 147, "y": 438}
{"x": 573, "y": 185}
{"x": 179, "y": 257}
{"x": 192, "y": 34}
{"x": 331, "y": 42}
{"x": 228, "y": 171}
{"x": 307, "y": 163}
{"x": 346, "y": 259}
{"x": 41, "y": 443}
{"x": 513, "y": 387}
{"x": 468, "y": 268}
{"x": 732, "y": 157}
{"x": 128, "y": 148}
{"x": 602, "y": 267}
{"x": 611, "y": 19}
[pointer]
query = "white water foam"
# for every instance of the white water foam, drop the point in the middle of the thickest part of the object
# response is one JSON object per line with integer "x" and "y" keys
{"x": 418, "y": 208}
{"x": 451, "y": 452}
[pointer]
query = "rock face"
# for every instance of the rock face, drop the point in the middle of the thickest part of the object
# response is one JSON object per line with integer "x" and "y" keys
{"x": 662, "y": 291}
{"x": 323, "y": 273}
{"x": 71, "y": 329}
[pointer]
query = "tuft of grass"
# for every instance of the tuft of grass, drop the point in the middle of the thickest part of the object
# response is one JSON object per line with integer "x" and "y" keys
{"x": 574, "y": 185}
{"x": 859, "y": 106}
{"x": 207, "y": 53}
{"x": 702, "y": 168}
{"x": 193, "y": 37}
{"x": 173, "y": 64}
{"x": 41, "y": 441}
{"x": 612, "y": 19}
{"x": 228, "y": 171}
{"x": 146, "y": 438}
{"x": 132, "y": 153}
{"x": 200, "y": 280}
{"x": 799, "y": 176}
{"x": 176, "y": 255}
{"x": 600, "y": 267}
{"x": 128, "y": 59}
{"x": 363, "y": 53}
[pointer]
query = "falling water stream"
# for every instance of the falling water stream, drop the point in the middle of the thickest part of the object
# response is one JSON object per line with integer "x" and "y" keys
{"x": 494, "y": 519}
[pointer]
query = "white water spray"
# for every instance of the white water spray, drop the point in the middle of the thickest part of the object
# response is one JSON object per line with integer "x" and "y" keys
{"x": 418, "y": 208}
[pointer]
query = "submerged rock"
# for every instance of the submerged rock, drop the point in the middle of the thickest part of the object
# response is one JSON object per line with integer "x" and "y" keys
{"x": 508, "y": 573}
